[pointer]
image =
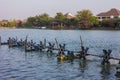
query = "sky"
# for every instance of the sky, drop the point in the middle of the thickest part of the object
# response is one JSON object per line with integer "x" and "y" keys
{"x": 22, "y": 9}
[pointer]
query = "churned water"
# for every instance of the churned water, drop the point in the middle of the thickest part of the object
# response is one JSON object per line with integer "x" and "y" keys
{"x": 16, "y": 64}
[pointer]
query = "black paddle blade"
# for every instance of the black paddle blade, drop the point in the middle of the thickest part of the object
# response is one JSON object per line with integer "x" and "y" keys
{"x": 109, "y": 51}
{"x": 104, "y": 51}
{"x": 45, "y": 42}
{"x": 60, "y": 45}
{"x": 82, "y": 47}
{"x": 41, "y": 42}
{"x": 64, "y": 45}
{"x": 49, "y": 44}
{"x": 53, "y": 45}
{"x": 86, "y": 50}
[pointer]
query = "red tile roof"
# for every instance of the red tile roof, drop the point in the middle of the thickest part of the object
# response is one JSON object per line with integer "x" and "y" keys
{"x": 69, "y": 15}
{"x": 112, "y": 12}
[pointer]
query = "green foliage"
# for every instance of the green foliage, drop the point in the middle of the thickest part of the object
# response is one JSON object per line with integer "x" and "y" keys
{"x": 31, "y": 21}
{"x": 117, "y": 22}
{"x": 94, "y": 21}
{"x": 108, "y": 23}
{"x": 83, "y": 19}
{"x": 59, "y": 16}
{"x": 27, "y": 25}
{"x": 0, "y": 23}
{"x": 84, "y": 15}
{"x": 45, "y": 19}
{"x": 71, "y": 22}
{"x": 12, "y": 23}
{"x": 86, "y": 19}
{"x": 39, "y": 20}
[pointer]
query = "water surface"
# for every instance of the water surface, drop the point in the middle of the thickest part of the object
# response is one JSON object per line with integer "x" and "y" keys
{"x": 16, "y": 64}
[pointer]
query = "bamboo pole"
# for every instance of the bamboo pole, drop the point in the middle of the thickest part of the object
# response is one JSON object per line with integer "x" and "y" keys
{"x": 44, "y": 43}
{"x": 26, "y": 42}
{"x": 57, "y": 43}
{"x": 81, "y": 40}
{"x": 0, "y": 40}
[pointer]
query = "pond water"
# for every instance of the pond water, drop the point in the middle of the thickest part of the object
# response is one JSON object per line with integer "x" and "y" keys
{"x": 16, "y": 64}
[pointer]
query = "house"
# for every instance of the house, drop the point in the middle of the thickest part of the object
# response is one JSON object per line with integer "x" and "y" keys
{"x": 19, "y": 23}
{"x": 68, "y": 15}
{"x": 4, "y": 22}
{"x": 112, "y": 13}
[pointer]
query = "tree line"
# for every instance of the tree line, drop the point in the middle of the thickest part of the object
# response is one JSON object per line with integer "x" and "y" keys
{"x": 82, "y": 20}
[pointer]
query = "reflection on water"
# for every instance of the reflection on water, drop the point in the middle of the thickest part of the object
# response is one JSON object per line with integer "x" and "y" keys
{"x": 16, "y": 64}
{"x": 105, "y": 71}
{"x": 83, "y": 65}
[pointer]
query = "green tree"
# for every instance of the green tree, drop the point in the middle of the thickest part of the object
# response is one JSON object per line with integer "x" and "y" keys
{"x": 108, "y": 23}
{"x": 45, "y": 19}
{"x": 19, "y": 24}
{"x": 12, "y": 23}
{"x": 94, "y": 22}
{"x": 117, "y": 22}
{"x": 0, "y": 23}
{"x": 85, "y": 18}
{"x": 27, "y": 25}
{"x": 31, "y": 21}
{"x": 39, "y": 20}
{"x": 60, "y": 18}
{"x": 73, "y": 22}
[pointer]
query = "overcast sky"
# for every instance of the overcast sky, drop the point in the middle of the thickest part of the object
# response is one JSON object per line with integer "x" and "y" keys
{"x": 22, "y": 9}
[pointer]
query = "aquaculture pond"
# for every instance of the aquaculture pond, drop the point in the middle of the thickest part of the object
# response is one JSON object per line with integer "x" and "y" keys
{"x": 16, "y": 64}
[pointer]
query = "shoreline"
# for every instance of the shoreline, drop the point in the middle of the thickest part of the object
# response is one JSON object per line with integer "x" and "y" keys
{"x": 8, "y": 28}
{"x": 94, "y": 28}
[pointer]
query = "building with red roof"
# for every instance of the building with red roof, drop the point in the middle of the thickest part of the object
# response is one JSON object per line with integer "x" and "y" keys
{"x": 112, "y": 13}
{"x": 69, "y": 15}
